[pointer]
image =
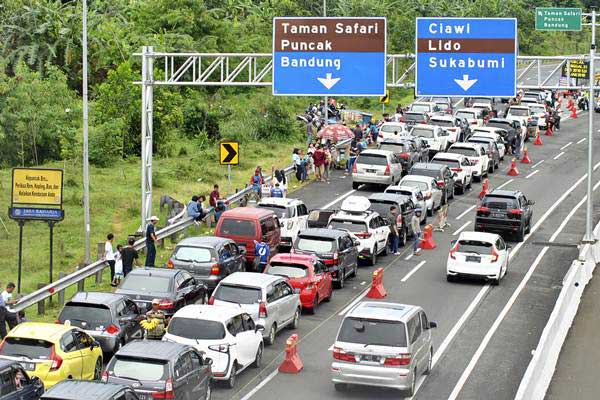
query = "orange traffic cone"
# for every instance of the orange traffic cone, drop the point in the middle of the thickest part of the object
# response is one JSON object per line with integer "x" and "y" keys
{"x": 377, "y": 290}
{"x": 525, "y": 159}
{"x": 573, "y": 113}
{"x": 513, "y": 171}
{"x": 538, "y": 140}
{"x": 292, "y": 364}
{"x": 549, "y": 130}
{"x": 484, "y": 188}
{"x": 427, "y": 243}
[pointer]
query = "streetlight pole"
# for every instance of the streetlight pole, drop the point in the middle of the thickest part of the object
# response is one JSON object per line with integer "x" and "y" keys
{"x": 589, "y": 233}
{"x": 326, "y": 99}
{"x": 86, "y": 167}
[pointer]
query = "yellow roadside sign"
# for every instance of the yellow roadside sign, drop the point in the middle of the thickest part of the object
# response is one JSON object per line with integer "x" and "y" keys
{"x": 385, "y": 99}
{"x": 229, "y": 153}
{"x": 37, "y": 186}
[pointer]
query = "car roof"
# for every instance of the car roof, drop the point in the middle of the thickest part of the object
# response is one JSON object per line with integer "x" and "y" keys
{"x": 490, "y": 129}
{"x": 153, "y": 349}
{"x": 363, "y": 216}
{"x": 203, "y": 241}
{"x": 479, "y": 236}
{"x": 221, "y": 313}
{"x": 247, "y": 212}
{"x": 382, "y": 311}
{"x": 40, "y": 331}
{"x": 376, "y": 152}
{"x": 459, "y": 145}
{"x": 322, "y": 232}
{"x": 294, "y": 258}
{"x": 448, "y": 156}
{"x": 503, "y": 120}
{"x": 250, "y": 279}
{"x": 422, "y": 178}
{"x": 147, "y": 271}
{"x": 404, "y": 187}
{"x": 502, "y": 192}
{"x": 427, "y": 126}
{"x": 395, "y": 197}
{"x": 76, "y": 390}
{"x": 96, "y": 298}
{"x": 280, "y": 201}
{"x": 518, "y": 106}
{"x": 422, "y": 165}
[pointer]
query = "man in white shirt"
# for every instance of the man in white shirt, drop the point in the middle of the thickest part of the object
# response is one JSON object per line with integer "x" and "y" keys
{"x": 109, "y": 255}
{"x": 5, "y": 316}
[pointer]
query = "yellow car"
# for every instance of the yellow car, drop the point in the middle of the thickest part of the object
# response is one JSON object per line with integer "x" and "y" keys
{"x": 53, "y": 352}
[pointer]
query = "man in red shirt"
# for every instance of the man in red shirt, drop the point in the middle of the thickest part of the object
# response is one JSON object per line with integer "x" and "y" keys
{"x": 214, "y": 196}
{"x": 319, "y": 161}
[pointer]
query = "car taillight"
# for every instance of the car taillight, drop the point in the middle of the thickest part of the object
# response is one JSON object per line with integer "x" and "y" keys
{"x": 516, "y": 212}
{"x": 482, "y": 210}
{"x": 440, "y": 183}
{"x": 423, "y": 122}
{"x": 112, "y": 329}
{"x": 169, "y": 393}
{"x": 402, "y": 359}
{"x": 57, "y": 321}
{"x": 341, "y": 355}
{"x": 453, "y": 250}
{"x": 330, "y": 261}
{"x": 170, "y": 264}
{"x": 404, "y": 156}
{"x": 166, "y": 304}
{"x": 354, "y": 169}
{"x": 388, "y": 170}
{"x": 457, "y": 169}
{"x": 211, "y": 300}
{"x": 495, "y": 255}
{"x": 363, "y": 235}
{"x": 56, "y": 360}
{"x": 215, "y": 269}
{"x": 262, "y": 310}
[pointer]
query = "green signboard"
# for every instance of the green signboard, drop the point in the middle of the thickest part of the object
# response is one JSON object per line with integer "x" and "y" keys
{"x": 557, "y": 19}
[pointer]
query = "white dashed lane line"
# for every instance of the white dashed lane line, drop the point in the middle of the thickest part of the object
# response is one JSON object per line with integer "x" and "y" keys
{"x": 456, "y": 232}
{"x": 559, "y": 155}
{"x": 466, "y": 211}
{"x": 537, "y": 164}
{"x": 532, "y": 174}
{"x": 566, "y": 145}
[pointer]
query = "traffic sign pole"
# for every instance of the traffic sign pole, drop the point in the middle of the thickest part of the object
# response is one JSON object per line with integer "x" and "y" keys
{"x": 589, "y": 232}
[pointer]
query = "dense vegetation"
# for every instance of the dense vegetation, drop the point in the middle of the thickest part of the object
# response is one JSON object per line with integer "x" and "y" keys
{"x": 40, "y": 68}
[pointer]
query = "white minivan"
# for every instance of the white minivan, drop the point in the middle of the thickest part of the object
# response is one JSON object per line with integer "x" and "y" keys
{"x": 292, "y": 214}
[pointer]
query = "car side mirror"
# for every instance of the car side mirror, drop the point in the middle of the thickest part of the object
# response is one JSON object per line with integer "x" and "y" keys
{"x": 259, "y": 328}
{"x": 432, "y": 325}
{"x": 208, "y": 361}
{"x": 530, "y": 202}
{"x": 356, "y": 243}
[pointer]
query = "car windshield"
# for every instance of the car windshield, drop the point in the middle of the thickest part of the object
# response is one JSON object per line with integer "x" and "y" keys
{"x": 391, "y": 128}
{"x": 237, "y": 294}
{"x": 281, "y": 211}
{"x": 442, "y": 122}
{"x": 422, "y": 132}
{"x": 482, "y": 100}
{"x": 238, "y": 227}
{"x": 519, "y": 112}
{"x": 417, "y": 184}
{"x": 464, "y": 151}
{"x": 352, "y": 226}
{"x": 372, "y": 159}
{"x": 288, "y": 270}
{"x": 414, "y": 117}
{"x": 139, "y": 369}
{"x": 192, "y": 328}
{"x": 193, "y": 254}
{"x": 382, "y": 207}
{"x": 86, "y": 316}
{"x": 538, "y": 109}
{"x": 146, "y": 283}
{"x": 465, "y": 114}
{"x": 420, "y": 108}
{"x": 449, "y": 163}
{"x": 403, "y": 192}
{"x": 371, "y": 331}
{"x": 28, "y": 348}
{"x": 395, "y": 147}
{"x": 315, "y": 244}
{"x": 443, "y": 106}
{"x": 495, "y": 124}
{"x": 499, "y": 202}
{"x": 474, "y": 246}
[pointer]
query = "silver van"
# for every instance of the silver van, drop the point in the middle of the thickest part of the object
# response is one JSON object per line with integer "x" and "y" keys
{"x": 380, "y": 167}
{"x": 383, "y": 344}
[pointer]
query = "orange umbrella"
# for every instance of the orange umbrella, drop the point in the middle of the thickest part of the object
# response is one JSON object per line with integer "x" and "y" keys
{"x": 335, "y": 133}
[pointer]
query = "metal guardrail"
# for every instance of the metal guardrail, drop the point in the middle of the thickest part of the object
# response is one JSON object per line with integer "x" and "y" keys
{"x": 176, "y": 224}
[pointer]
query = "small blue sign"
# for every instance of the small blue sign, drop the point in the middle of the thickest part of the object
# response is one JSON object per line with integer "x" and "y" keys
{"x": 460, "y": 57}
{"x": 329, "y": 56}
{"x": 46, "y": 214}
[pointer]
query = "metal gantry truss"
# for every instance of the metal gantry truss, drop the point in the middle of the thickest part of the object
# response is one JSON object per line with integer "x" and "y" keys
{"x": 255, "y": 70}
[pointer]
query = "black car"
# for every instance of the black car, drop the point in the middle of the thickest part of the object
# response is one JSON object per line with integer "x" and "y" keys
{"x": 85, "y": 390}
{"x": 161, "y": 370}
{"x": 174, "y": 287}
{"x": 420, "y": 144}
{"x": 381, "y": 203}
{"x": 208, "y": 258}
{"x": 444, "y": 177}
{"x": 405, "y": 150}
{"x": 111, "y": 319}
{"x": 505, "y": 211}
{"x": 334, "y": 247}
{"x": 15, "y": 384}
{"x": 491, "y": 148}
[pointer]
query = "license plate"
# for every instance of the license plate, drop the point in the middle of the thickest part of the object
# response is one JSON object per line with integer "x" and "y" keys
{"x": 28, "y": 366}
{"x": 497, "y": 215}
{"x": 368, "y": 357}
{"x": 371, "y": 171}
{"x": 476, "y": 259}
{"x": 142, "y": 396}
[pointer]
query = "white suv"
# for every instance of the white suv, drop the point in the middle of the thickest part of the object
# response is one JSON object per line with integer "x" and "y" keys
{"x": 475, "y": 152}
{"x": 292, "y": 214}
{"x": 460, "y": 166}
{"x": 436, "y": 137}
{"x": 371, "y": 230}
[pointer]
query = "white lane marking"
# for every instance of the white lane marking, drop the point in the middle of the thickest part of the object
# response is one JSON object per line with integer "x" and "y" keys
{"x": 412, "y": 271}
{"x": 466, "y": 211}
{"x": 532, "y": 174}
{"x": 556, "y": 157}
{"x": 456, "y": 232}
{"x": 339, "y": 198}
{"x": 582, "y": 140}
{"x": 566, "y": 145}
{"x": 356, "y": 300}
{"x": 505, "y": 183}
{"x": 261, "y": 384}
{"x": 408, "y": 257}
{"x": 362, "y": 283}
{"x": 537, "y": 164}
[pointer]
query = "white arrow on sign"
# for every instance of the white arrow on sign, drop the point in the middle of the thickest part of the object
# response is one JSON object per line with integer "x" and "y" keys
{"x": 328, "y": 82}
{"x": 465, "y": 83}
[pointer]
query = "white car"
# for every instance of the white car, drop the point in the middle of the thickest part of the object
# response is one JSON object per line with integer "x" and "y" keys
{"x": 227, "y": 335}
{"x": 436, "y": 137}
{"x": 365, "y": 225}
{"x": 539, "y": 112}
{"x": 427, "y": 107}
{"x": 475, "y": 152}
{"x": 473, "y": 115}
{"x": 478, "y": 254}
{"x": 413, "y": 193}
{"x": 448, "y": 123}
{"x": 432, "y": 194}
{"x": 460, "y": 166}
{"x": 380, "y": 167}
{"x": 390, "y": 130}
{"x": 492, "y": 133}
{"x": 524, "y": 115}
{"x": 292, "y": 214}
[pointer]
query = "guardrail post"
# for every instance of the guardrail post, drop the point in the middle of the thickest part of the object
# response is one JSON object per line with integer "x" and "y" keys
{"x": 41, "y": 305}
{"x": 61, "y": 294}
{"x": 81, "y": 283}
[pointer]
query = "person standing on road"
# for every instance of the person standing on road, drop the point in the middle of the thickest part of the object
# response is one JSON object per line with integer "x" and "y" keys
{"x": 157, "y": 314}
{"x": 130, "y": 256}
{"x": 109, "y": 255}
{"x": 394, "y": 237}
{"x": 151, "y": 240}
{"x": 415, "y": 223}
{"x": 319, "y": 160}
{"x": 276, "y": 191}
{"x": 352, "y": 153}
{"x": 7, "y": 296}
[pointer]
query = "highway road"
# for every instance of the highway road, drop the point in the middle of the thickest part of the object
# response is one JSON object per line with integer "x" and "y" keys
{"x": 485, "y": 336}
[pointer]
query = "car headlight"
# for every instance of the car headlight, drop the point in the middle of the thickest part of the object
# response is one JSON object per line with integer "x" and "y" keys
{"x": 290, "y": 225}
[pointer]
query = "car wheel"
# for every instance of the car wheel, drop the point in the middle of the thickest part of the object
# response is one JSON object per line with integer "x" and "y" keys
{"x": 384, "y": 252}
{"x": 272, "y": 333}
{"x": 340, "y": 283}
{"x": 258, "y": 359}
{"x": 296, "y": 321}
{"x": 208, "y": 392}
{"x": 495, "y": 282}
{"x": 98, "y": 370}
{"x": 402, "y": 239}
{"x": 230, "y": 383}
{"x": 413, "y": 382}
{"x": 450, "y": 278}
{"x": 315, "y": 305}
{"x": 521, "y": 234}
{"x": 354, "y": 270}
{"x": 429, "y": 362}
{"x": 373, "y": 259}
{"x": 340, "y": 387}
{"x": 528, "y": 230}
{"x": 355, "y": 185}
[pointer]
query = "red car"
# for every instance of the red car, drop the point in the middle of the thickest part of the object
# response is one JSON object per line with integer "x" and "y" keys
{"x": 304, "y": 272}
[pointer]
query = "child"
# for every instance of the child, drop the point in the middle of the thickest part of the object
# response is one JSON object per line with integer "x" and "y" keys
{"x": 118, "y": 266}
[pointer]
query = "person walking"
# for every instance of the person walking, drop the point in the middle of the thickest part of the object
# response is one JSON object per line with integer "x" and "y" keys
{"x": 130, "y": 256}
{"x": 352, "y": 154}
{"x": 394, "y": 234}
{"x": 256, "y": 181}
{"x": 109, "y": 255}
{"x": 151, "y": 240}
{"x": 262, "y": 254}
{"x": 358, "y": 133}
{"x": 157, "y": 332}
{"x": 319, "y": 160}
{"x": 118, "y": 266}
{"x": 328, "y": 162}
{"x": 415, "y": 224}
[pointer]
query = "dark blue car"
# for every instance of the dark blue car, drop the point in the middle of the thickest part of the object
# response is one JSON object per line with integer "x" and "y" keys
{"x": 15, "y": 384}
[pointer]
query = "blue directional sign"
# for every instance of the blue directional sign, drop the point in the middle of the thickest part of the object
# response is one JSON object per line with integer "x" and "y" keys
{"x": 329, "y": 56}
{"x": 29, "y": 213}
{"x": 466, "y": 57}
